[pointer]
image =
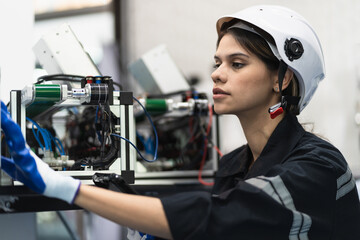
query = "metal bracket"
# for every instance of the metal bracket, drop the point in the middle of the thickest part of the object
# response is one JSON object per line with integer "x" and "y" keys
{"x": 6, "y": 203}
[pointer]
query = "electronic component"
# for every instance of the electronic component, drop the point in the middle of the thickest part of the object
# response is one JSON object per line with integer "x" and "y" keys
{"x": 182, "y": 117}
{"x": 157, "y": 73}
{"x": 60, "y": 52}
{"x": 113, "y": 182}
{"x": 186, "y": 138}
{"x": 110, "y": 112}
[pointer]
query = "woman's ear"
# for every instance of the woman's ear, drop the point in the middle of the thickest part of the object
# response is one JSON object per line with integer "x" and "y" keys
{"x": 287, "y": 79}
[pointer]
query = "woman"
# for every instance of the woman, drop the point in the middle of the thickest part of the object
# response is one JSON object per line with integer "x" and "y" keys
{"x": 284, "y": 184}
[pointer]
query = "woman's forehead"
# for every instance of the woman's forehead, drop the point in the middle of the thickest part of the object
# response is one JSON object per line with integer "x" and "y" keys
{"x": 229, "y": 45}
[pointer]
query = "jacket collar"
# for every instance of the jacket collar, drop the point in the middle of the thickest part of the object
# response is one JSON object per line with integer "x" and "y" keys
{"x": 281, "y": 142}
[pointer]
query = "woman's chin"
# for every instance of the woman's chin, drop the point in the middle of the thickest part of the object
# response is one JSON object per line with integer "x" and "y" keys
{"x": 219, "y": 110}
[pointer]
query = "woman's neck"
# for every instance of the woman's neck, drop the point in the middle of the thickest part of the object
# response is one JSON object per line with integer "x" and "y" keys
{"x": 257, "y": 130}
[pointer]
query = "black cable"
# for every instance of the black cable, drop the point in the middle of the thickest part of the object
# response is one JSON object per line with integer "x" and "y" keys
{"x": 106, "y": 126}
{"x": 67, "y": 76}
{"x": 195, "y": 134}
{"x": 109, "y": 114}
{"x": 71, "y": 232}
{"x": 118, "y": 85}
{"x": 103, "y": 140}
{"x": 110, "y": 156}
{"x": 60, "y": 77}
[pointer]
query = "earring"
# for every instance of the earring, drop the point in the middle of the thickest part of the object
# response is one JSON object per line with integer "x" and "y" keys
{"x": 276, "y": 89}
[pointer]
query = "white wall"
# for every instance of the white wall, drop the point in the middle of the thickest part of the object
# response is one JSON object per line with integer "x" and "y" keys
{"x": 93, "y": 31}
{"x": 187, "y": 27}
{"x": 16, "y": 63}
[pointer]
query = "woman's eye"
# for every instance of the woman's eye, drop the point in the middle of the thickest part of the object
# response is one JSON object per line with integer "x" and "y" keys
{"x": 237, "y": 65}
{"x": 216, "y": 65}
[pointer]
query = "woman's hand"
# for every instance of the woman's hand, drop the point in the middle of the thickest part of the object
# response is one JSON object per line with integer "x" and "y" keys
{"x": 29, "y": 169}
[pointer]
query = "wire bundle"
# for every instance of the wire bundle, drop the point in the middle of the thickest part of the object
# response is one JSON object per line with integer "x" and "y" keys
{"x": 205, "y": 149}
{"x": 47, "y": 137}
{"x": 156, "y": 136}
{"x": 66, "y": 78}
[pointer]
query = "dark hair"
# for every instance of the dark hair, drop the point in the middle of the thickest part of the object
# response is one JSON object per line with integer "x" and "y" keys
{"x": 258, "y": 46}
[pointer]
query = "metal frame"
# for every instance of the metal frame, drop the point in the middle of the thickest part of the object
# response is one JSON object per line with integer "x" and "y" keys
{"x": 124, "y": 165}
{"x": 182, "y": 176}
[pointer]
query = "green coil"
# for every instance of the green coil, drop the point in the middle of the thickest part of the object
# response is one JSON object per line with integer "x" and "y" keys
{"x": 45, "y": 96}
{"x": 156, "y": 106}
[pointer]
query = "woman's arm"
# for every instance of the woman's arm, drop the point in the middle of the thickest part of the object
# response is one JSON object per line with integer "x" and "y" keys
{"x": 140, "y": 213}
{"x": 145, "y": 214}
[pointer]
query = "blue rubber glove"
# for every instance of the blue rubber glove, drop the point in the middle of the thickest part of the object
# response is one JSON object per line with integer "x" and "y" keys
{"x": 29, "y": 169}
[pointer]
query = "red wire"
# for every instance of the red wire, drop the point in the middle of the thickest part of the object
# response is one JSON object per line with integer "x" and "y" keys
{"x": 218, "y": 151}
{"x": 205, "y": 150}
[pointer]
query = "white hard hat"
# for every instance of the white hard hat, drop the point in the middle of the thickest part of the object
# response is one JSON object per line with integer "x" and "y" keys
{"x": 296, "y": 43}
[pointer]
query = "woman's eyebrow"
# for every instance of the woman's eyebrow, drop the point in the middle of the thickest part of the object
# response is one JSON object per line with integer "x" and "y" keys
{"x": 233, "y": 55}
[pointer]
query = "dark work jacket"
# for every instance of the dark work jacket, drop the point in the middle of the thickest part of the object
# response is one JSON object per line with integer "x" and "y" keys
{"x": 300, "y": 187}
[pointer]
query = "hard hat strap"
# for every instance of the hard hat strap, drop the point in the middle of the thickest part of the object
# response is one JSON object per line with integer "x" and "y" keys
{"x": 282, "y": 70}
{"x": 285, "y": 100}
{"x": 279, "y": 108}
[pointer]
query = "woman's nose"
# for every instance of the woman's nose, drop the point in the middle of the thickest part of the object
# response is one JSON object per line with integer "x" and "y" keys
{"x": 218, "y": 75}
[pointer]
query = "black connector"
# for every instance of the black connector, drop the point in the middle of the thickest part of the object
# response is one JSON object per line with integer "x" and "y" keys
{"x": 113, "y": 182}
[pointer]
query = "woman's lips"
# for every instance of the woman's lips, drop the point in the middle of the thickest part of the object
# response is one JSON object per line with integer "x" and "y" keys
{"x": 219, "y": 93}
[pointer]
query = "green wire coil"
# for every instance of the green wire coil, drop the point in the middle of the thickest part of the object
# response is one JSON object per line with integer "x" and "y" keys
{"x": 45, "y": 97}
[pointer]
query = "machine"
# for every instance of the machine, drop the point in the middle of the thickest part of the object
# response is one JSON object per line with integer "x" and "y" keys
{"x": 81, "y": 123}
{"x": 94, "y": 116}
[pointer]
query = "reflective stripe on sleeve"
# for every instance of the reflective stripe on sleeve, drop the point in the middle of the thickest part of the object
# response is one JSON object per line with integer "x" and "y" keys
{"x": 345, "y": 183}
{"x": 275, "y": 187}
